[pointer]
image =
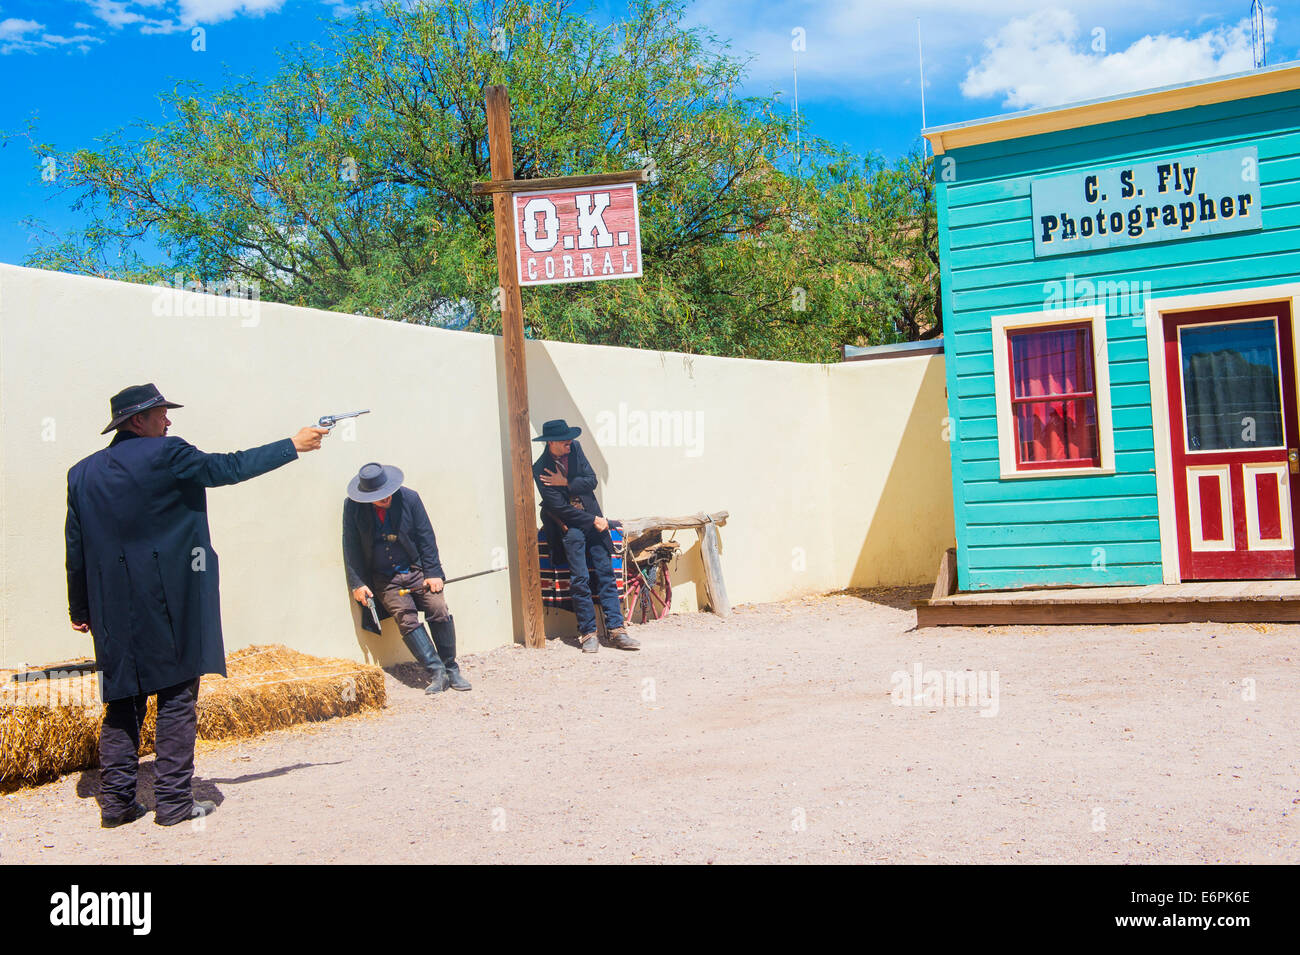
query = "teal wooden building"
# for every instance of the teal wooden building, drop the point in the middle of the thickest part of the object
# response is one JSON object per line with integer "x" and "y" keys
{"x": 1120, "y": 283}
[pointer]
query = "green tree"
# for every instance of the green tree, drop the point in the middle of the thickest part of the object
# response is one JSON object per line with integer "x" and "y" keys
{"x": 344, "y": 183}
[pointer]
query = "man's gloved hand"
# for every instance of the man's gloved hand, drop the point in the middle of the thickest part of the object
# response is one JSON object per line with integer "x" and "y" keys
{"x": 601, "y": 524}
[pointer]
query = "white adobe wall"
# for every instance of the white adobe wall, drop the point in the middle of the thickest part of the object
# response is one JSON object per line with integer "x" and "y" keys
{"x": 835, "y": 475}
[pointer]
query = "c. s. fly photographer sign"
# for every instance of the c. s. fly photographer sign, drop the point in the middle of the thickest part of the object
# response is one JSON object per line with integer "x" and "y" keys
{"x": 578, "y": 235}
{"x": 1150, "y": 201}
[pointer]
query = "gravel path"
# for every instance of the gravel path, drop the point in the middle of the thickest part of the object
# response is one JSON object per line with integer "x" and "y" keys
{"x": 774, "y": 736}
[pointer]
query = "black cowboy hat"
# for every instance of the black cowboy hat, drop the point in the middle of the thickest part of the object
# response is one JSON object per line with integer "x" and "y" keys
{"x": 133, "y": 400}
{"x": 374, "y": 482}
{"x": 558, "y": 430}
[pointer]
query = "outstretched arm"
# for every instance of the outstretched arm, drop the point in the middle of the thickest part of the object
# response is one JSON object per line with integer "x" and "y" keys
{"x": 188, "y": 463}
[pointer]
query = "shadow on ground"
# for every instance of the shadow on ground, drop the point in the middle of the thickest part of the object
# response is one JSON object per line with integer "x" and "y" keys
{"x": 900, "y": 598}
{"x": 88, "y": 782}
{"x": 409, "y": 674}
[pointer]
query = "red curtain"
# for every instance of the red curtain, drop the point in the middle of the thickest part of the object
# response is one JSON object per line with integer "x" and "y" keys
{"x": 1053, "y": 362}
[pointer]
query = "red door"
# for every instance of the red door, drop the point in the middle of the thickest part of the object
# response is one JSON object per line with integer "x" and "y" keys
{"x": 1232, "y": 429}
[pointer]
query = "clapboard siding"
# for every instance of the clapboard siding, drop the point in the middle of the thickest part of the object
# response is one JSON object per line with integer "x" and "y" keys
{"x": 1095, "y": 529}
{"x": 1109, "y": 574}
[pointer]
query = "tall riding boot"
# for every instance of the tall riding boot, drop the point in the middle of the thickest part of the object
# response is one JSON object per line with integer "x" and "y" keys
{"x": 421, "y": 647}
{"x": 444, "y": 636}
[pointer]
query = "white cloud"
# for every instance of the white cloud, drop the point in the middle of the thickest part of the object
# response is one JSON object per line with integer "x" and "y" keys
{"x": 115, "y": 13}
{"x": 168, "y": 16}
{"x": 28, "y": 36}
{"x": 1046, "y": 60}
{"x": 15, "y": 29}
{"x": 215, "y": 11}
{"x": 80, "y": 40}
{"x": 864, "y": 52}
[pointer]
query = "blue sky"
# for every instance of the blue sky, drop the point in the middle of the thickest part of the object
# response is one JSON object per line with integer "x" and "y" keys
{"x": 80, "y": 68}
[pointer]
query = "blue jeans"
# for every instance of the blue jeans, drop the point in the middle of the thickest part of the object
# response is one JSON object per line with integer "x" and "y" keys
{"x": 581, "y": 546}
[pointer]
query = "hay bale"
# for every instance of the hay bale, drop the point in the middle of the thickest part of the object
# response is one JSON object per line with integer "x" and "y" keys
{"x": 271, "y": 687}
{"x": 38, "y": 743}
{"x": 50, "y": 726}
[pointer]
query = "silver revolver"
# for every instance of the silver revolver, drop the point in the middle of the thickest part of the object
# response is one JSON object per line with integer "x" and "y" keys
{"x": 330, "y": 420}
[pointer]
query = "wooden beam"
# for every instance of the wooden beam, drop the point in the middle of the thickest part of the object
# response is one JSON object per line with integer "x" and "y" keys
{"x": 930, "y": 614}
{"x": 527, "y": 565}
{"x": 508, "y": 184}
{"x": 635, "y": 527}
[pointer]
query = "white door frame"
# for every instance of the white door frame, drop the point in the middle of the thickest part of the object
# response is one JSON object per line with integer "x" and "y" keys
{"x": 1156, "y": 310}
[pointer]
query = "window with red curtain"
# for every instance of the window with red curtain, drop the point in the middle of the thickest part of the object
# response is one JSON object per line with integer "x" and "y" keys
{"x": 1053, "y": 397}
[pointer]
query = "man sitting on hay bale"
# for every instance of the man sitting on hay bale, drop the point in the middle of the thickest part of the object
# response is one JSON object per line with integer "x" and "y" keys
{"x": 142, "y": 579}
{"x": 389, "y": 548}
{"x": 576, "y": 528}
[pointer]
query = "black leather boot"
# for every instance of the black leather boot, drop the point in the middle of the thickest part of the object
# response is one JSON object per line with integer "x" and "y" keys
{"x": 444, "y": 636}
{"x": 421, "y": 647}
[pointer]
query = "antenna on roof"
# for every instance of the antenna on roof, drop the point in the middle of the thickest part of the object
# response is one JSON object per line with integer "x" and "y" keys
{"x": 920, "y": 58}
{"x": 1257, "y": 40}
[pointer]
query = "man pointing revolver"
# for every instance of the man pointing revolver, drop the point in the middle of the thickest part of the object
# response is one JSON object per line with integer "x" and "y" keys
{"x": 142, "y": 578}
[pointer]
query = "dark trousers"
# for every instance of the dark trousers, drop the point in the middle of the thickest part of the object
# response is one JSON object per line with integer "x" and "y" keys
{"x": 405, "y": 608}
{"x": 580, "y": 547}
{"x": 119, "y": 752}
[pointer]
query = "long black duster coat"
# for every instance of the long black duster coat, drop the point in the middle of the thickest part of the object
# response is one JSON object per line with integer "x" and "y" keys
{"x": 408, "y": 519}
{"x": 141, "y": 568}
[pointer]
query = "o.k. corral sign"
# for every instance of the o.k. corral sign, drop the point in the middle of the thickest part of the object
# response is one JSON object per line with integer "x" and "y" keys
{"x": 578, "y": 235}
{"x": 1154, "y": 200}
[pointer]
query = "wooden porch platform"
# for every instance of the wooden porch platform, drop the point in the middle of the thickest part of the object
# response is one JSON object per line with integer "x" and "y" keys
{"x": 1232, "y": 601}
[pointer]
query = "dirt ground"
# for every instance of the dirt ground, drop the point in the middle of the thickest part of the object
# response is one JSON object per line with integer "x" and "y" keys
{"x": 774, "y": 736}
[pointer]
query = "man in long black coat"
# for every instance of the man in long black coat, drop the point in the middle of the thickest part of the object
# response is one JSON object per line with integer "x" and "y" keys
{"x": 576, "y": 528}
{"x": 142, "y": 578}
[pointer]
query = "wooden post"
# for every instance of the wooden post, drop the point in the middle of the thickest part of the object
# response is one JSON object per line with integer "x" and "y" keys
{"x": 945, "y": 585}
{"x": 719, "y": 603}
{"x": 501, "y": 154}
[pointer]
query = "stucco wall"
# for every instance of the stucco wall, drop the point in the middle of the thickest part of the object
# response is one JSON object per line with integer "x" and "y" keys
{"x": 834, "y": 475}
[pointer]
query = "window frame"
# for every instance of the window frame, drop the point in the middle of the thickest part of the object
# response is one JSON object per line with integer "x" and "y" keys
{"x": 1095, "y": 318}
